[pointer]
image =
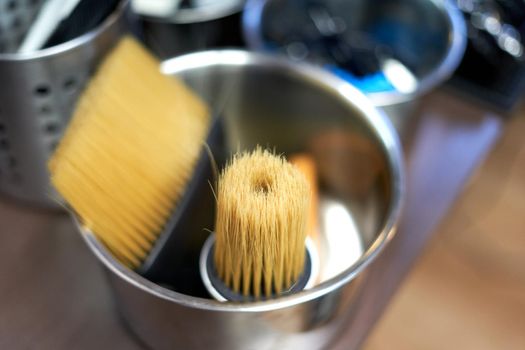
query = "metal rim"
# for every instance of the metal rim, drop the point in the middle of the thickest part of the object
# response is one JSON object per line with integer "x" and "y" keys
{"x": 201, "y": 14}
{"x": 313, "y": 269}
{"x": 379, "y": 125}
{"x": 251, "y": 22}
{"x": 71, "y": 44}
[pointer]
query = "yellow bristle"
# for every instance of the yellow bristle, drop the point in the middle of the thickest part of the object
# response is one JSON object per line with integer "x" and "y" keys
{"x": 129, "y": 151}
{"x": 262, "y": 215}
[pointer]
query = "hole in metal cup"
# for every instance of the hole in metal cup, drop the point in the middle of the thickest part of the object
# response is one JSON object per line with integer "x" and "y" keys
{"x": 42, "y": 90}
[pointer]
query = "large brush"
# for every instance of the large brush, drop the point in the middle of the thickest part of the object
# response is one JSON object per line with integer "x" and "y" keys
{"x": 130, "y": 151}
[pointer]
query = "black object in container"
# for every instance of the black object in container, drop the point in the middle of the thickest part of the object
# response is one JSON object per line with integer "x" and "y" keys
{"x": 88, "y": 14}
{"x": 169, "y": 262}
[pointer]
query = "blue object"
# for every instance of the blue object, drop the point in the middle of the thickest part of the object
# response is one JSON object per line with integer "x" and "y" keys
{"x": 376, "y": 82}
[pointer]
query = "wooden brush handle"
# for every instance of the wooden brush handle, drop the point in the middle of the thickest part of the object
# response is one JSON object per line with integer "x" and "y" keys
{"x": 306, "y": 164}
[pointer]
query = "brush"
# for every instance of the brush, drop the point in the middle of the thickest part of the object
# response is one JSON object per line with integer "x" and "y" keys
{"x": 127, "y": 157}
{"x": 306, "y": 165}
{"x": 258, "y": 250}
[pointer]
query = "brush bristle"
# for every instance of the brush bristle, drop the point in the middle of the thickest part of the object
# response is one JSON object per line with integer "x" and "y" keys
{"x": 129, "y": 151}
{"x": 262, "y": 213}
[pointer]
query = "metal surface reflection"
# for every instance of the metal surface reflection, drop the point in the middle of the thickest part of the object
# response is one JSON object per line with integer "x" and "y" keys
{"x": 342, "y": 240}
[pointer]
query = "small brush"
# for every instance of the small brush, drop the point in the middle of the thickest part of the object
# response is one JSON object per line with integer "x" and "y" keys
{"x": 259, "y": 248}
{"x": 127, "y": 157}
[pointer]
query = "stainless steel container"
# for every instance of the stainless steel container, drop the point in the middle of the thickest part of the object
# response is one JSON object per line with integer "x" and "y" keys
{"x": 38, "y": 94}
{"x": 199, "y": 25}
{"x": 428, "y": 35}
{"x": 15, "y": 19}
{"x": 292, "y": 108}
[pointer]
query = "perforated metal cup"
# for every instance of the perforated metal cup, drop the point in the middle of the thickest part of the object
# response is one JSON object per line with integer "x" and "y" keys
{"x": 38, "y": 94}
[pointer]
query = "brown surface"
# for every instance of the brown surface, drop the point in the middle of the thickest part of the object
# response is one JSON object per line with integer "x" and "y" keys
{"x": 468, "y": 289}
{"x": 447, "y": 145}
{"x": 53, "y": 294}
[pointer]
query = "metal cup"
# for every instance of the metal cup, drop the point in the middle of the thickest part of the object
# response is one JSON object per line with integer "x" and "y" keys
{"x": 197, "y": 26}
{"x": 39, "y": 92}
{"x": 290, "y": 108}
{"x": 429, "y": 36}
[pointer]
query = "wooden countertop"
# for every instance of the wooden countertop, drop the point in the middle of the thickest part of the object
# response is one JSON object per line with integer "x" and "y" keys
{"x": 53, "y": 293}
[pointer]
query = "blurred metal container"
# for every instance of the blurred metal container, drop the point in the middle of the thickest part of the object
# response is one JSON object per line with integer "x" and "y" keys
{"x": 194, "y": 26}
{"x": 264, "y": 100}
{"x": 36, "y": 101}
{"x": 427, "y": 36}
{"x": 15, "y": 19}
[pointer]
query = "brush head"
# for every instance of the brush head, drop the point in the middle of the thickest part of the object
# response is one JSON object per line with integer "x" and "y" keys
{"x": 129, "y": 151}
{"x": 262, "y": 214}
